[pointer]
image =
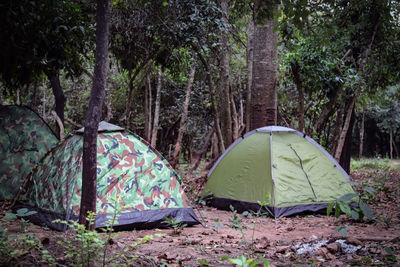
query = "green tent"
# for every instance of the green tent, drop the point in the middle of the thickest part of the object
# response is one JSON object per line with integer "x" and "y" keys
{"x": 130, "y": 174}
{"x": 24, "y": 139}
{"x": 281, "y": 166}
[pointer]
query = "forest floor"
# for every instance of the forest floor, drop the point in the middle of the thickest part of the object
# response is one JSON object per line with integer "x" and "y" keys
{"x": 307, "y": 240}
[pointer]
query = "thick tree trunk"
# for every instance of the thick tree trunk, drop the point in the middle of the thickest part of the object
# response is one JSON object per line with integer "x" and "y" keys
{"x": 300, "y": 94}
{"x": 59, "y": 96}
{"x": 89, "y": 171}
{"x": 263, "y": 95}
{"x": 156, "y": 110}
{"x": 183, "y": 118}
{"x": 361, "y": 147}
{"x": 224, "y": 99}
{"x": 249, "y": 73}
{"x": 147, "y": 108}
{"x": 346, "y": 127}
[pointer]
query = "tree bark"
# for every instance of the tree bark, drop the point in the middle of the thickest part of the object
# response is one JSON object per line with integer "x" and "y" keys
{"x": 59, "y": 96}
{"x": 156, "y": 110}
{"x": 346, "y": 127}
{"x": 263, "y": 95}
{"x": 345, "y": 157}
{"x": 299, "y": 85}
{"x": 224, "y": 99}
{"x": 336, "y": 133}
{"x": 185, "y": 111}
{"x": 89, "y": 171}
{"x": 361, "y": 147}
{"x": 326, "y": 112}
{"x": 235, "y": 118}
{"x": 249, "y": 74}
{"x": 147, "y": 108}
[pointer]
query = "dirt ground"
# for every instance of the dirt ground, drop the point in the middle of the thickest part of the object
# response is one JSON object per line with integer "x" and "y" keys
{"x": 307, "y": 240}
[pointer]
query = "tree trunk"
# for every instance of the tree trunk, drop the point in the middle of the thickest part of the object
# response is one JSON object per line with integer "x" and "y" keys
{"x": 299, "y": 85}
{"x": 130, "y": 93}
{"x": 336, "y": 133}
{"x": 203, "y": 150}
{"x": 346, "y": 127}
{"x": 326, "y": 112}
{"x": 147, "y": 108}
{"x": 360, "y": 152}
{"x": 249, "y": 74}
{"x": 391, "y": 143}
{"x": 183, "y": 118}
{"x": 156, "y": 110}
{"x": 235, "y": 118}
{"x": 89, "y": 171}
{"x": 224, "y": 99}
{"x": 345, "y": 157}
{"x": 59, "y": 97}
{"x": 213, "y": 99}
{"x": 263, "y": 95}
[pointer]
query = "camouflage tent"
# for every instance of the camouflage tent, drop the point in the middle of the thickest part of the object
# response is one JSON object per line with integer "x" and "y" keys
{"x": 128, "y": 170}
{"x": 24, "y": 139}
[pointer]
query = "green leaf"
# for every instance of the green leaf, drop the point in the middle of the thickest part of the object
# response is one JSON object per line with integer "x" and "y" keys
{"x": 345, "y": 208}
{"x": 329, "y": 209}
{"x": 355, "y": 215}
{"x": 337, "y": 210}
{"x": 347, "y": 197}
{"x": 367, "y": 211}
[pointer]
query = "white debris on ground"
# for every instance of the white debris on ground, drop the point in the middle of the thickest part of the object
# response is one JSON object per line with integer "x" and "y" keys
{"x": 347, "y": 248}
{"x": 312, "y": 247}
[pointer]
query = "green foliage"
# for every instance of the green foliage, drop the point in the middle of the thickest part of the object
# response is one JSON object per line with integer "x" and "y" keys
{"x": 175, "y": 223}
{"x": 250, "y": 262}
{"x": 235, "y": 220}
{"x": 353, "y": 205}
{"x": 85, "y": 246}
{"x": 343, "y": 229}
{"x": 15, "y": 246}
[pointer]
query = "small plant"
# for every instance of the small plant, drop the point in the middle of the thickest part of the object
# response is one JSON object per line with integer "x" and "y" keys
{"x": 175, "y": 223}
{"x": 343, "y": 229}
{"x": 244, "y": 262}
{"x": 358, "y": 210}
{"x": 261, "y": 212}
{"x": 235, "y": 220}
{"x": 85, "y": 246}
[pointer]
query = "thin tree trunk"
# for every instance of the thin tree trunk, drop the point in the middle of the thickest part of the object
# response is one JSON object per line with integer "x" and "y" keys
{"x": 156, "y": 110}
{"x": 147, "y": 108}
{"x": 235, "y": 119}
{"x": 203, "y": 150}
{"x": 225, "y": 102}
{"x": 213, "y": 99}
{"x": 264, "y": 96}
{"x": 89, "y": 171}
{"x": 391, "y": 143}
{"x": 299, "y": 85}
{"x": 130, "y": 93}
{"x": 59, "y": 97}
{"x": 361, "y": 135}
{"x": 183, "y": 118}
{"x": 345, "y": 129}
{"x": 59, "y": 124}
{"x": 395, "y": 148}
{"x": 345, "y": 157}
{"x": 249, "y": 74}
{"x": 336, "y": 133}
{"x": 326, "y": 112}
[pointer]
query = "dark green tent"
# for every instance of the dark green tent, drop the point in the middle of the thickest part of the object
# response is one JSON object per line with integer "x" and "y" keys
{"x": 281, "y": 166}
{"x": 24, "y": 139}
